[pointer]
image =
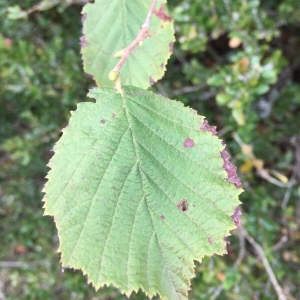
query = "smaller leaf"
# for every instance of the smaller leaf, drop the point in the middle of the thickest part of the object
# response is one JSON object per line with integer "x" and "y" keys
{"x": 223, "y": 98}
{"x": 101, "y": 42}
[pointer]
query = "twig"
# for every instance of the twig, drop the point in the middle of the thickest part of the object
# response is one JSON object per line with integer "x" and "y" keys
{"x": 2, "y": 295}
{"x": 242, "y": 245}
{"x": 295, "y": 174}
{"x": 25, "y": 265}
{"x": 261, "y": 254}
{"x": 263, "y": 173}
{"x": 217, "y": 292}
{"x": 142, "y": 35}
{"x": 288, "y": 192}
{"x": 187, "y": 89}
{"x": 260, "y": 170}
{"x": 280, "y": 243}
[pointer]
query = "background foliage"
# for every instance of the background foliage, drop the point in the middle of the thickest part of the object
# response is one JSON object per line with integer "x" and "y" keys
{"x": 237, "y": 63}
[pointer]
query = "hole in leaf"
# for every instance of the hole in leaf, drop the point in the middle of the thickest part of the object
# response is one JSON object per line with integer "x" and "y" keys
{"x": 183, "y": 205}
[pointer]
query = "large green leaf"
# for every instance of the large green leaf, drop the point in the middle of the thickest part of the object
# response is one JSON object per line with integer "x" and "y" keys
{"x": 110, "y": 26}
{"x": 138, "y": 191}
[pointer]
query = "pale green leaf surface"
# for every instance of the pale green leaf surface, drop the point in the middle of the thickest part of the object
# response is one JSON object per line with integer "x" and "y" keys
{"x": 117, "y": 176}
{"x": 110, "y": 26}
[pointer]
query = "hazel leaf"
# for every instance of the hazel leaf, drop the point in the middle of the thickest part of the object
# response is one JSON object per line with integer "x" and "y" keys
{"x": 140, "y": 187}
{"x": 109, "y": 26}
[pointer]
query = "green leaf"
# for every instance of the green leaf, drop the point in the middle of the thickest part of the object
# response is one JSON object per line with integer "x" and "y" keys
{"x": 110, "y": 26}
{"x": 15, "y": 12}
{"x": 138, "y": 192}
{"x": 215, "y": 80}
{"x": 261, "y": 89}
{"x": 223, "y": 98}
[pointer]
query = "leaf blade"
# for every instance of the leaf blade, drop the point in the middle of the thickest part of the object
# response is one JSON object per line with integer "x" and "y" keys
{"x": 111, "y": 190}
{"x": 100, "y": 41}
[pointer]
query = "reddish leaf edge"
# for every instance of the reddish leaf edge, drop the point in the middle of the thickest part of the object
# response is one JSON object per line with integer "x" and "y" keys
{"x": 230, "y": 168}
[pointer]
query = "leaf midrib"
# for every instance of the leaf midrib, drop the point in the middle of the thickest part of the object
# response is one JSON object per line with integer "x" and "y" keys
{"x": 144, "y": 196}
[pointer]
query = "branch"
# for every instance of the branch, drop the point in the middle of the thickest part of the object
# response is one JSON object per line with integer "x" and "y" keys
{"x": 266, "y": 264}
{"x": 242, "y": 251}
{"x": 25, "y": 265}
{"x": 296, "y": 172}
{"x": 142, "y": 35}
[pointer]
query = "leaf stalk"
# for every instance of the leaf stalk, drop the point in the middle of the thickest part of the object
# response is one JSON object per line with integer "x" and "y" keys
{"x": 142, "y": 35}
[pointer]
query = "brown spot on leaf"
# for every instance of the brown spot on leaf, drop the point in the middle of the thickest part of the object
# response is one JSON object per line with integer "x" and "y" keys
{"x": 113, "y": 116}
{"x": 171, "y": 47}
{"x": 162, "y": 217}
{"x": 231, "y": 170}
{"x": 160, "y": 13}
{"x": 210, "y": 240}
{"x": 236, "y": 216}
{"x": 152, "y": 81}
{"x": 102, "y": 121}
{"x": 83, "y": 42}
{"x": 183, "y": 205}
{"x": 188, "y": 143}
{"x": 206, "y": 127}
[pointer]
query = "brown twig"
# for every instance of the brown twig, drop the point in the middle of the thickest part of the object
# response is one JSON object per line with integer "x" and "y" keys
{"x": 25, "y": 265}
{"x": 260, "y": 170}
{"x": 262, "y": 256}
{"x": 142, "y": 35}
{"x": 242, "y": 251}
{"x": 296, "y": 172}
